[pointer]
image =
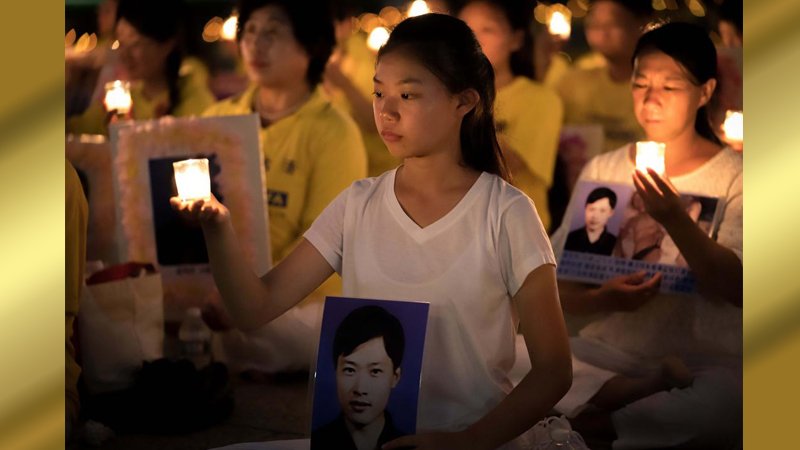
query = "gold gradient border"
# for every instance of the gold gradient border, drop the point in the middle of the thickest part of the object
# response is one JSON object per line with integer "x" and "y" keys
{"x": 772, "y": 222}
{"x": 31, "y": 225}
{"x": 31, "y": 232}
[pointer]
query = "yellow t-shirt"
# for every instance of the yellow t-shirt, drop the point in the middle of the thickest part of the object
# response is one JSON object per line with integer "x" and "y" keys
{"x": 529, "y": 117}
{"x": 358, "y": 64}
{"x": 309, "y": 156}
{"x": 591, "y": 60}
{"x": 194, "y": 97}
{"x": 75, "y": 225}
{"x": 591, "y": 97}
{"x": 559, "y": 66}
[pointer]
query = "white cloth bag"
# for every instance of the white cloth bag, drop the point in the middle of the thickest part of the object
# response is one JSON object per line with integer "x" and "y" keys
{"x": 121, "y": 325}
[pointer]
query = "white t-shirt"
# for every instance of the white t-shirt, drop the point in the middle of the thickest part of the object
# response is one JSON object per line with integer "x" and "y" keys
{"x": 468, "y": 265}
{"x": 689, "y": 326}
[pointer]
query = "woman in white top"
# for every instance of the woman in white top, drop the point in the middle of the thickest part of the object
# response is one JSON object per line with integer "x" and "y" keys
{"x": 663, "y": 370}
{"x": 446, "y": 228}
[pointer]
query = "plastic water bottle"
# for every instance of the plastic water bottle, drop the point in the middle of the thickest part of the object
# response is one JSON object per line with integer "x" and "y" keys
{"x": 195, "y": 339}
{"x": 562, "y": 439}
{"x": 555, "y": 433}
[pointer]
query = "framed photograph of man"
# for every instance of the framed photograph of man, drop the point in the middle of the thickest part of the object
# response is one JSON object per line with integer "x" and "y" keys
{"x": 611, "y": 234}
{"x": 366, "y": 382}
{"x": 149, "y": 230}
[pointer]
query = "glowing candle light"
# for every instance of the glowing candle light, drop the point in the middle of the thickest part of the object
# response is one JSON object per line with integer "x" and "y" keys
{"x": 734, "y": 126}
{"x": 650, "y": 154}
{"x": 377, "y": 38}
{"x": 559, "y": 25}
{"x": 418, "y": 8}
{"x": 118, "y": 97}
{"x": 229, "y": 28}
{"x": 192, "y": 179}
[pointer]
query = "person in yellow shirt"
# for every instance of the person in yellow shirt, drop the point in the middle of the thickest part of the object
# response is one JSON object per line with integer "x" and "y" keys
{"x": 600, "y": 94}
{"x": 348, "y": 82}
{"x": 148, "y": 32}
{"x": 75, "y": 226}
{"x": 528, "y": 114}
{"x": 311, "y": 150}
{"x": 550, "y": 64}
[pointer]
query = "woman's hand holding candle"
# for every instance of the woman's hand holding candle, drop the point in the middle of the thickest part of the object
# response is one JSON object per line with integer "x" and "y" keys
{"x": 195, "y": 200}
{"x": 209, "y": 211}
{"x": 661, "y": 199}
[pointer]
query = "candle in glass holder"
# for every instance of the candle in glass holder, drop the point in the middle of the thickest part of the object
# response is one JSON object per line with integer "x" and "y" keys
{"x": 650, "y": 154}
{"x": 118, "y": 97}
{"x": 734, "y": 126}
{"x": 192, "y": 179}
{"x": 559, "y": 25}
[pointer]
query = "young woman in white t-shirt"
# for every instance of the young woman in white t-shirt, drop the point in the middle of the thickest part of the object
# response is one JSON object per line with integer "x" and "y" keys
{"x": 444, "y": 227}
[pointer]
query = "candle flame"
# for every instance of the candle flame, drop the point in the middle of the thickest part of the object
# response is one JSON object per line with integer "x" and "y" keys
{"x": 83, "y": 43}
{"x": 650, "y": 154}
{"x": 418, "y": 8}
{"x": 734, "y": 126}
{"x": 377, "y": 38}
{"x": 69, "y": 39}
{"x": 118, "y": 97}
{"x": 229, "y": 28}
{"x": 559, "y": 25}
{"x": 192, "y": 179}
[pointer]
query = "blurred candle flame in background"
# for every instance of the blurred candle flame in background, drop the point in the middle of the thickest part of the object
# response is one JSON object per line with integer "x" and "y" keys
{"x": 418, "y": 8}
{"x": 377, "y": 37}
{"x": 734, "y": 126}
{"x": 560, "y": 25}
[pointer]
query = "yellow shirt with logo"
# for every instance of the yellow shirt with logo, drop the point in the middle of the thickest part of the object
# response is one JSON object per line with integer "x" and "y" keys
{"x": 194, "y": 98}
{"x": 529, "y": 117}
{"x": 591, "y": 97}
{"x": 309, "y": 157}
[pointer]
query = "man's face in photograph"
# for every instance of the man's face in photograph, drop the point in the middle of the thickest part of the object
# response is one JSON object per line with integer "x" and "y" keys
{"x": 364, "y": 380}
{"x": 597, "y": 214}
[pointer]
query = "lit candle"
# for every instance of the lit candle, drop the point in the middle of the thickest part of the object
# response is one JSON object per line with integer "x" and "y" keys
{"x": 559, "y": 25}
{"x": 418, "y": 8}
{"x": 191, "y": 177}
{"x": 650, "y": 154}
{"x": 229, "y": 28}
{"x": 377, "y": 38}
{"x": 118, "y": 97}
{"x": 734, "y": 126}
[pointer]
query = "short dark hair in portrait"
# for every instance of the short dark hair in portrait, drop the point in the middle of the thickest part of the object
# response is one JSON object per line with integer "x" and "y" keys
{"x": 367, "y": 323}
{"x": 600, "y": 193}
